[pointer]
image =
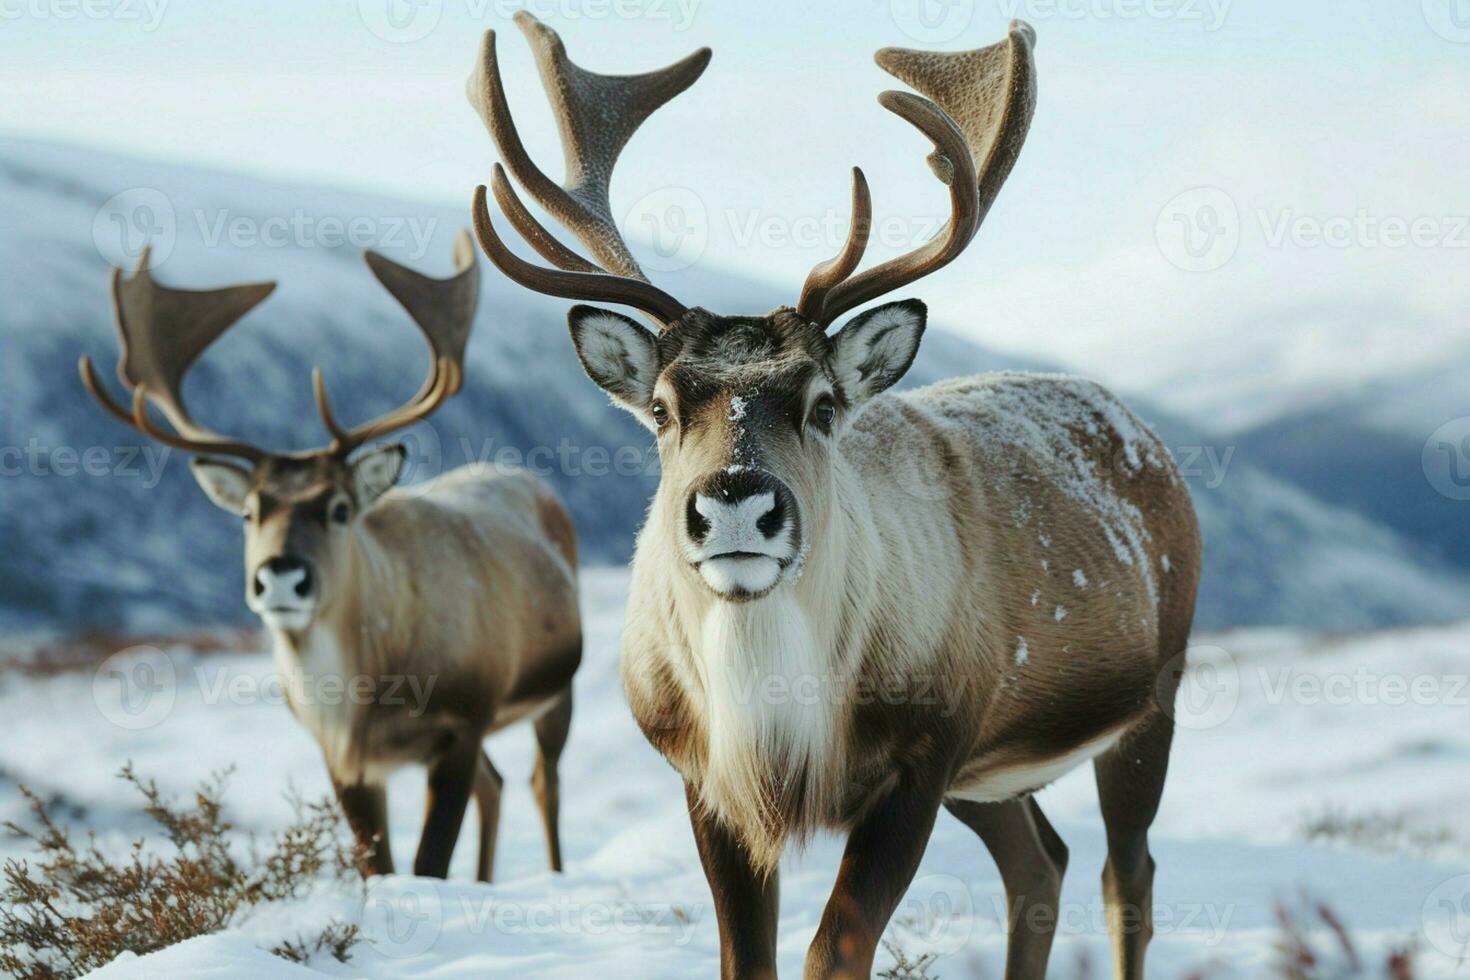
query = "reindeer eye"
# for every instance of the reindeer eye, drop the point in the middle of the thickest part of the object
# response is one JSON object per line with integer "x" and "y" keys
{"x": 824, "y": 412}
{"x": 660, "y": 414}
{"x": 340, "y": 512}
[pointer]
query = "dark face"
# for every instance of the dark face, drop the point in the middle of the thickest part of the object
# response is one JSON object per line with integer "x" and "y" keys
{"x": 747, "y": 411}
{"x": 298, "y": 513}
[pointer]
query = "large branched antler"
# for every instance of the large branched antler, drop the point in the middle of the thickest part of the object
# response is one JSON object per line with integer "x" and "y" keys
{"x": 982, "y": 105}
{"x": 444, "y": 310}
{"x": 597, "y": 115}
{"x": 163, "y": 331}
{"x": 975, "y": 108}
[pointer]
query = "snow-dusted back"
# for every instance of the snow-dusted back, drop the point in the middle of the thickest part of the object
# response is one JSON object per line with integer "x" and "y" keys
{"x": 89, "y": 540}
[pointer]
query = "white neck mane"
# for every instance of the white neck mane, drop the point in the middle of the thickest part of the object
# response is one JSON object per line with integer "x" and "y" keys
{"x": 776, "y": 678}
{"x": 770, "y": 708}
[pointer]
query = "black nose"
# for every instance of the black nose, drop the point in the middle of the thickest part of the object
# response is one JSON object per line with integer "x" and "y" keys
{"x": 729, "y": 488}
{"x": 284, "y": 567}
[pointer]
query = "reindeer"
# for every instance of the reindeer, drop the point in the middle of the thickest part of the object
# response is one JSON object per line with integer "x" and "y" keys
{"x": 436, "y": 615}
{"x": 850, "y": 608}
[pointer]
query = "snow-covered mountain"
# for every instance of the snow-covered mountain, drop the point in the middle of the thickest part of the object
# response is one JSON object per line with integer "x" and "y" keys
{"x": 1395, "y": 451}
{"x": 100, "y": 530}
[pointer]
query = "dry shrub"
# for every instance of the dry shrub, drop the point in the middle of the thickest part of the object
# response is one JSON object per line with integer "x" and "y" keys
{"x": 906, "y": 965}
{"x": 1302, "y": 953}
{"x": 1301, "y": 956}
{"x": 337, "y": 938}
{"x": 1385, "y": 832}
{"x": 76, "y": 909}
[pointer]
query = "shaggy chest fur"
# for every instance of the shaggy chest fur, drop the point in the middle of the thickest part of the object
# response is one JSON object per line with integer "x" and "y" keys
{"x": 749, "y": 712}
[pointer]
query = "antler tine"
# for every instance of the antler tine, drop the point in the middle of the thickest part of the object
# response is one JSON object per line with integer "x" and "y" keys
{"x": 98, "y": 391}
{"x": 823, "y": 277}
{"x": 163, "y": 331}
{"x": 324, "y": 409}
{"x": 444, "y": 310}
{"x": 594, "y": 286}
{"x": 982, "y": 105}
{"x": 216, "y": 446}
{"x": 950, "y": 162}
{"x": 544, "y": 242}
{"x": 596, "y": 115}
{"x": 447, "y": 377}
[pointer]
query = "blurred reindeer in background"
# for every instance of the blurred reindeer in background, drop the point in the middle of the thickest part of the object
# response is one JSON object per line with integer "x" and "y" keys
{"x": 463, "y": 591}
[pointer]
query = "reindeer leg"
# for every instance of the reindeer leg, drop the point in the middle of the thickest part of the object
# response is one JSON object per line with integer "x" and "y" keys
{"x": 882, "y": 854}
{"x": 1031, "y": 858}
{"x": 366, "y": 809}
{"x": 451, "y": 777}
{"x": 1130, "y": 780}
{"x": 551, "y": 736}
{"x": 746, "y": 902}
{"x": 487, "y": 801}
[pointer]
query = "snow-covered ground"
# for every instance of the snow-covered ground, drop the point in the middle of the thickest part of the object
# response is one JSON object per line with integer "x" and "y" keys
{"x": 1281, "y": 731}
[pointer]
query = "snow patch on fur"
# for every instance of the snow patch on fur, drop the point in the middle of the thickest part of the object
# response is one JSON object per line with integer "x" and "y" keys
{"x": 1053, "y": 417}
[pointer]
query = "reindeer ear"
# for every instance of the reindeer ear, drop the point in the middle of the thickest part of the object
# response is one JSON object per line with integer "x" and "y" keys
{"x": 876, "y": 348}
{"x": 226, "y": 484}
{"x": 375, "y": 472}
{"x": 618, "y": 354}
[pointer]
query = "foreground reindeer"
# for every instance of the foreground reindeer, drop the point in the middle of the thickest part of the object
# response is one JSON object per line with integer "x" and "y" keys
{"x": 851, "y": 608}
{"x": 407, "y": 626}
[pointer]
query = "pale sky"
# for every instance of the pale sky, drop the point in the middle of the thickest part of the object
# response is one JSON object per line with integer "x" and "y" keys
{"x": 1326, "y": 143}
